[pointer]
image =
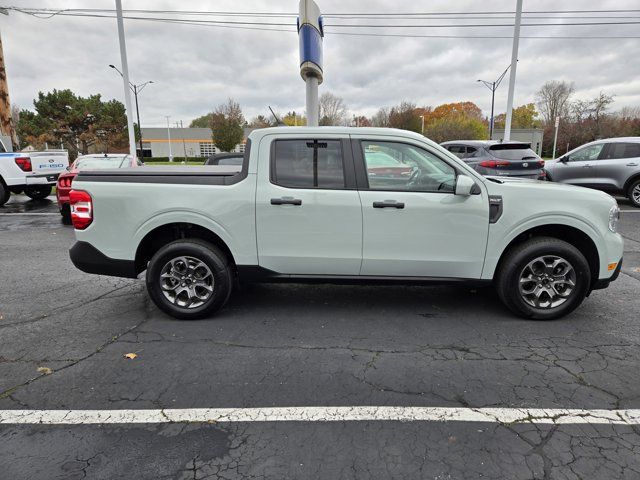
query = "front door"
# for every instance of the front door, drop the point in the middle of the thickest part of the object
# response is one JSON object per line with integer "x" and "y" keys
{"x": 579, "y": 167}
{"x": 413, "y": 224}
{"x": 308, "y": 211}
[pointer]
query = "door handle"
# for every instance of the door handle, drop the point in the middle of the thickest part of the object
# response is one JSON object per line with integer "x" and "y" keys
{"x": 388, "y": 204}
{"x": 632, "y": 164}
{"x": 286, "y": 201}
{"x": 587, "y": 166}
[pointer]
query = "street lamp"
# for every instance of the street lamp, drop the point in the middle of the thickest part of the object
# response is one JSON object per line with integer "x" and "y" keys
{"x": 422, "y": 124}
{"x": 136, "y": 89}
{"x": 493, "y": 86}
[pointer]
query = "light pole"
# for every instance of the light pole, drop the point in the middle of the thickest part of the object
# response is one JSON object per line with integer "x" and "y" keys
{"x": 169, "y": 138}
{"x": 514, "y": 67}
{"x": 136, "y": 89}
{"x": 422, "y": 124}
{"x": 125, "y": 78}
{"x": 493, "y": 86}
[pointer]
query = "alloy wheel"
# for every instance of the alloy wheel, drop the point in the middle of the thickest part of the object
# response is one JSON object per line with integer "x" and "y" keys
{"x": 547, "y": 282}
{"x": 186, "y": 282}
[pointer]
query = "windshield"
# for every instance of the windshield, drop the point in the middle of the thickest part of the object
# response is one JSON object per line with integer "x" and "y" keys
{"x": 512, "y": 151}
{"x": 96, "y": 163}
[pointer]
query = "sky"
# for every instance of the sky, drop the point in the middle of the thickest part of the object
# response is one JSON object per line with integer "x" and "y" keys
{"x": 195, "y": 68}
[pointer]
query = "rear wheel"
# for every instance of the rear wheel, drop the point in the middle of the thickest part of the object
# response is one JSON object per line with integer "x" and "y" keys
{"x": 634, "y": 193}
{"x": 65, "y": 211}
{"x": 39, "y": 192}
{"x": 5, "y": 194}
{"x": 543, "y": 278}
{"x": 189, "y": 279}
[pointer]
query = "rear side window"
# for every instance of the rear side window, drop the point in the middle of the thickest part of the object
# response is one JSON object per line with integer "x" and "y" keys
{"x": 308, "y": 164}
{"x": 623, "y": 150}
{"x": 458, "y": 150}
{"x": 512, "y": 152}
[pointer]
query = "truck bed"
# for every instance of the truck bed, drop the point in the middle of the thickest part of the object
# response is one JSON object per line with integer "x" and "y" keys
{"x": 200, "y": 175}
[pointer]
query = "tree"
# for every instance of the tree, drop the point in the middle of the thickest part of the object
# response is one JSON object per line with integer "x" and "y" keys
{"x": 292, "y": 119}
{"x": 361, "y": 121}
{"x": 456, "y": 127}
{"x": 448, "y": 110}
{"x": 381, "y": 118}
{"x": 404, "y": 116}
{"x": 226, "y": 125}
{"x": 261, "y": 122}
{"x": 332, "y": 109}
{"x": 553, "y": 100}
{"x": 201, "y": 122}
{"x": 524, "y": 116}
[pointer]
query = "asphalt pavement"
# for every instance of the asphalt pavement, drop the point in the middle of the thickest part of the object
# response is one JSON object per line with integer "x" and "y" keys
{"x": 64, "y": 336}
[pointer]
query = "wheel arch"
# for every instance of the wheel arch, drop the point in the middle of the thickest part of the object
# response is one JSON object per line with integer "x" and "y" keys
{"x": 168, "y": 232}
{"x": 570, "y": 234}
{"x": 630, "y": 181}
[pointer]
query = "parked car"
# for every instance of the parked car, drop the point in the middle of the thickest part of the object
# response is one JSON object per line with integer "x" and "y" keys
{"x": 225, "y": 159}
{"x": 34, "y": 173}
{"x": 305, "y": 208}
{"x": 611, "y": 165}
{"x": 87, "y": 162}
{"x": 504, "y": 159}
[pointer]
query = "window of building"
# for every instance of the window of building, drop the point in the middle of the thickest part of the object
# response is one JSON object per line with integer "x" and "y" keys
{"x": 308, "y": 164}
{"x": 207, "y": 149}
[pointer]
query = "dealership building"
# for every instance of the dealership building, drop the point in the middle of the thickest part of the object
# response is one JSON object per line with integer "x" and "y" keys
{"x": 185, "y": 142}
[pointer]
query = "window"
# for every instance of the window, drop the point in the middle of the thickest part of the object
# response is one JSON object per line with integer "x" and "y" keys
{"x": 458, "y": 150}
{"x": 591, "y": 152}
{"x": 207, "y": 149}
{"x": 408, "y": 168}
{"x": 471, "y": 152}
{"x": 623, "y": 150}
{"x": 308, "y": 164}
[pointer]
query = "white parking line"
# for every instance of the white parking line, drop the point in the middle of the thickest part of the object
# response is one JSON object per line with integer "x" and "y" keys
{"x": 27, "y": 213}
{"x": 630, "y": 211}
{"x": 322, "y": 414}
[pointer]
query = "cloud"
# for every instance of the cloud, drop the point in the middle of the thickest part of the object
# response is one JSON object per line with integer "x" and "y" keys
{"x": 195, "y": 68}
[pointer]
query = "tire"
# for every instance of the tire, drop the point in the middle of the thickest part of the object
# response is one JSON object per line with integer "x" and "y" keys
{"x": 207, "y": 267}
{"x": 5, "y": 194}
{"x": 634, "y": 193}
{"x": 528, "y": 260}
{"x": 39, "y": 192}
{"x": 65, "y": 211}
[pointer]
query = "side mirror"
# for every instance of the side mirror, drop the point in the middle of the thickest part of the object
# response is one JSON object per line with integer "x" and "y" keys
{"x": 464, "y": 185}
{"x": 563, "y": 159}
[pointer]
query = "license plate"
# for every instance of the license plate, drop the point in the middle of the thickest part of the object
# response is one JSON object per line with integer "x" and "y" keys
{"x": 52, "y": 178}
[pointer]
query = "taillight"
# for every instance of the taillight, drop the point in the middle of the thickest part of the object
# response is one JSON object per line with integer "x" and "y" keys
{"x": 540, "y": 163}
{"x": 494, "y": 163}
{"x": 24, "y": 163}
{"x": 81, "y": 209}
{"x": 65, "y": 182}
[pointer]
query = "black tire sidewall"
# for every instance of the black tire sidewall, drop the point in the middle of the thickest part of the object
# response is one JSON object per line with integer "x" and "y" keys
{"x": 203, "y": 251}
{"x": 5, "y": 194}
{"x": 630, "y": 193}
{"x": 522, "y": 256}
{"x": 38, "y": 193}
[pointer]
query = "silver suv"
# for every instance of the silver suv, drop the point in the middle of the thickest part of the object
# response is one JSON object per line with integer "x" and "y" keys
{"x": 611, "y": 165}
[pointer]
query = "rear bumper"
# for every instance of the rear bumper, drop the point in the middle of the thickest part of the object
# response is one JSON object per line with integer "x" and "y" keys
{"x": 89, "y": 259}
{"x": 42, "y": 179}
{"x": 604, "y": 282}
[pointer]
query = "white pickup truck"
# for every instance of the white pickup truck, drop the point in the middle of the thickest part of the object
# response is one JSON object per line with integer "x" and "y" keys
{"x": 344, "y": 205}
{"x": 34, "y": 173}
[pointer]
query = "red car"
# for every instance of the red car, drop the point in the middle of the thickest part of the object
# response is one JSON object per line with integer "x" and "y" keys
{"x": 87, "y": 162}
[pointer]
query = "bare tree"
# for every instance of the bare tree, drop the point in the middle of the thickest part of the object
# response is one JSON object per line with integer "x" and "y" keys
{"x": 553, "y": 100}
{"x": 381, "y": 118}
{"x": 630, "y": 113}
{"x": 333, "y": 111}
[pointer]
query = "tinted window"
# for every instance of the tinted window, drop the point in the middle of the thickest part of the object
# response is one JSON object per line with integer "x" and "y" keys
{"x": 512, "y": 152}
{"x": 623, "y": 150}
{"x": 457, "y": 150}
{"x": 416, "y": 169}
{"x": 591, "y": 152}
{"x": 230, "y": 161}
{"x": 308, "y": 164}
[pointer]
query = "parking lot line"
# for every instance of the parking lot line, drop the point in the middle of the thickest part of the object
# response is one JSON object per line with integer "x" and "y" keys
{"x": 27, "y": 213}
{"x": 321, "y": 414}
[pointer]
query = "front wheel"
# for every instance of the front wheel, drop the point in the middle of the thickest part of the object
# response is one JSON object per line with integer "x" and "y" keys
{"x": 634, "y": 193}
{"x": 189, "y": 279}
{"x": 543, "y": 278}
{"x": 39, "y": 192}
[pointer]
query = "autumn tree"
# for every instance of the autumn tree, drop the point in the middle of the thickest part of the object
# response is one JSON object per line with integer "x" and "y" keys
{"x": 456, "y": 127}
{"x": 459, "y": 109}
{"x": 332, "y": 109}
{"x": 361, "y": 121}
{"x": 261, "y": 122}
{"x": 293, "y": 119}
{"x": 524, "y": 116}
{"x": 404, "y": 116}
{"x": 226, "y": 125}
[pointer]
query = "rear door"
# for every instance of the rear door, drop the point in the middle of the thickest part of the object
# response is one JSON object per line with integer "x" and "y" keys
{"x": 579, "y": 166}
{"x": 418, "y": 227}
{"x": 308, "y": 210}
{"x": 620, "y": 160}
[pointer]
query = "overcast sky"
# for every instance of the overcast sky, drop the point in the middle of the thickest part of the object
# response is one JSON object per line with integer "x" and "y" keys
{"x": 195, "y": 68}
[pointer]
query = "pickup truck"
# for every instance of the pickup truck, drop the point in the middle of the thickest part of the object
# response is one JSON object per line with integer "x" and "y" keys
{"x": 34, "y": 173}
{"x": 306, "y": 207}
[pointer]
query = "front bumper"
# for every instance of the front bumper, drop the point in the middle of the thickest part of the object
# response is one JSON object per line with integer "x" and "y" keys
{"x": 89, "y": 259}
{"x": 604, "y": 282}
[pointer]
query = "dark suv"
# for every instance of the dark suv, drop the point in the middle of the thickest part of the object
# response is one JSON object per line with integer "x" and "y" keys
{"x": 505, "y": 159}
{"x": 611, "y": 165}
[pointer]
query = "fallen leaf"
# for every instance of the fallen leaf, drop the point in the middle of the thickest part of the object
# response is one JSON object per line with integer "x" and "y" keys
{"x": 130, "y": 356}
{"x": 637, "y": 269}
{"x": 45, "y": 370}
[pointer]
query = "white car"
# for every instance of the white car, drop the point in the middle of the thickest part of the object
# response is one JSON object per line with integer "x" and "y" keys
{"x": 34, "y": 173}
{"x": 308, "y": 206}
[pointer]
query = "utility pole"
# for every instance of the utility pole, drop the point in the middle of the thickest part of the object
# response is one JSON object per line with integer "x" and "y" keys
{"x": 169, "y": 137}
{"x": 125, "y": 79}
{"x": 493, "y": 86}
{"x": 311, "y": 32}
{"x": 555, "y": 137}
{"x": 514, "y": 66}
{"x": 184, "y": 146}
{"x": 7, "y": 126}
{"x": 422, "y": 124}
